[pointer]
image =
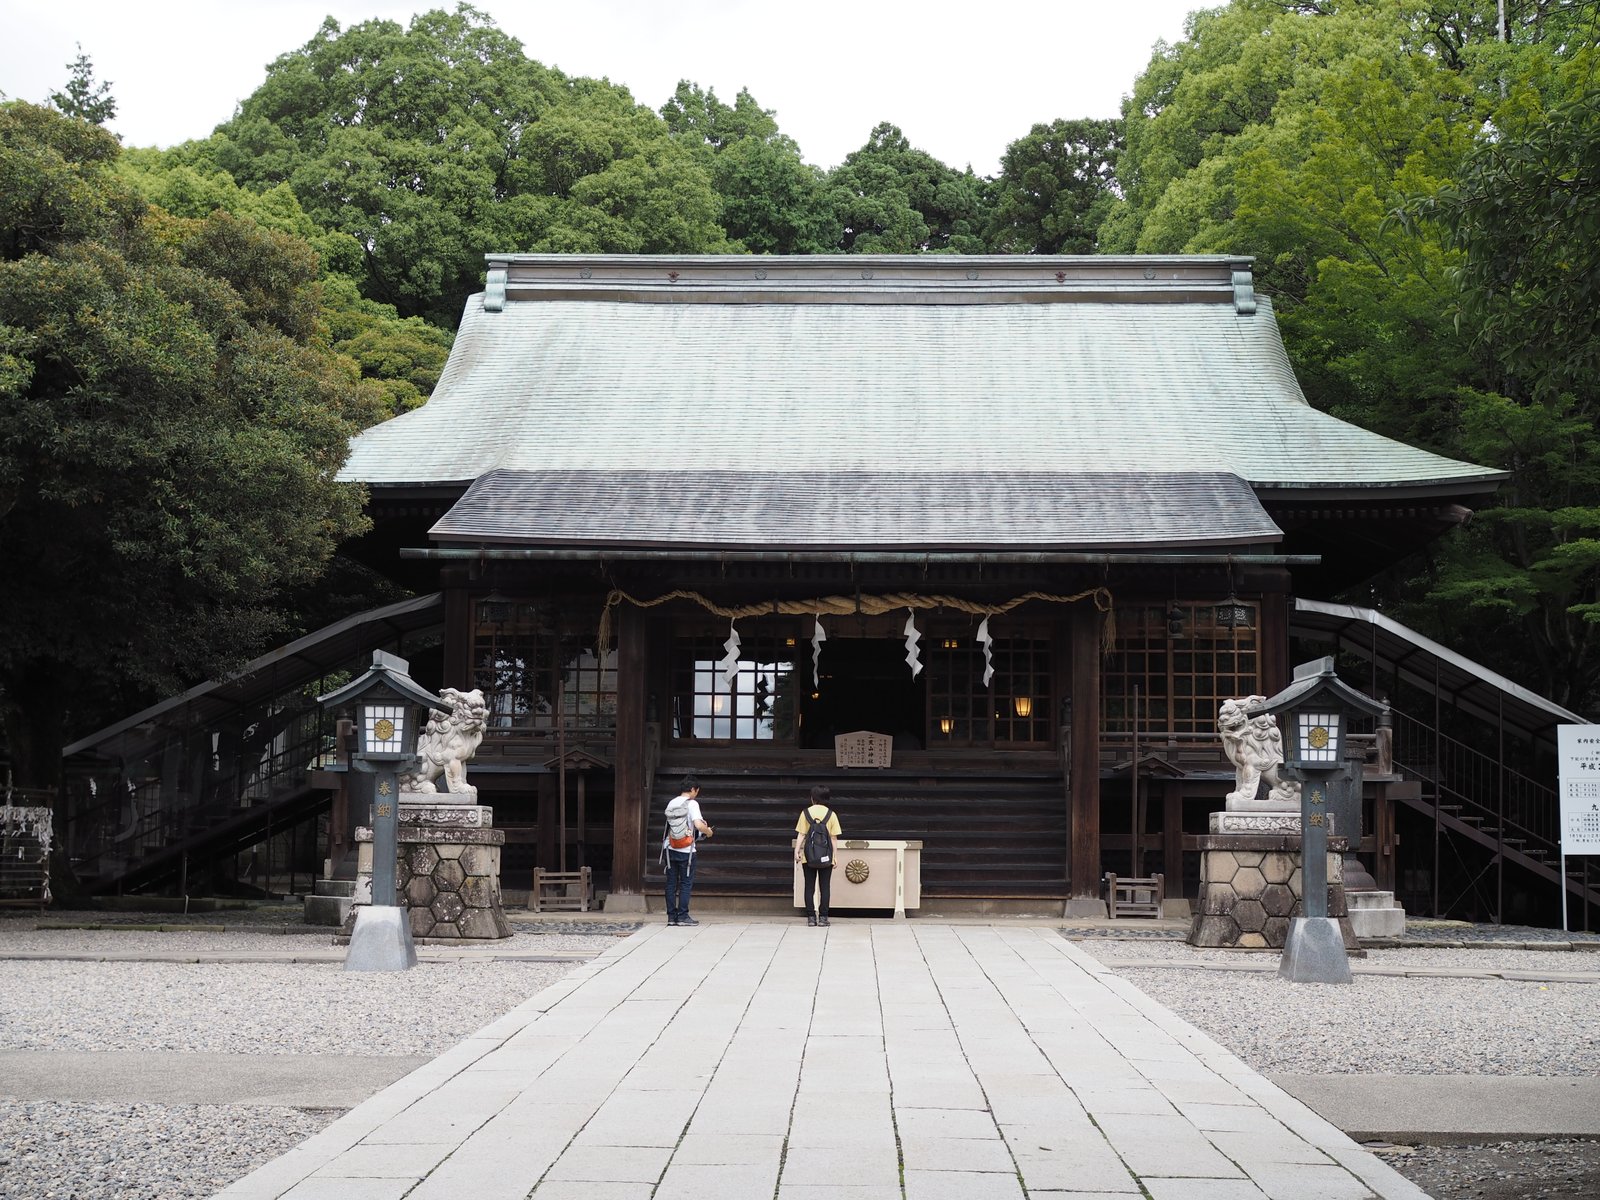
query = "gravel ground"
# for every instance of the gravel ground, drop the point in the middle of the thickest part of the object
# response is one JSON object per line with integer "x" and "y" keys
{"x": 75, "y": 1151}
{"x": 1406, "y": 1026}
{"x": 50, "y": 1149}
{"x": 177, "y": 1152}
{"x": 255, "y": 1008}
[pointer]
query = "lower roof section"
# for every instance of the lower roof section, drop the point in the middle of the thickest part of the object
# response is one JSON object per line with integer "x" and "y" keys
{"x": 858, "y": 510}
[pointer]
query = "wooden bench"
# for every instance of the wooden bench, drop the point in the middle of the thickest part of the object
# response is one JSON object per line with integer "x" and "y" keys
{"x": 561, "y": 891}
{"x": 1128, "y": 897}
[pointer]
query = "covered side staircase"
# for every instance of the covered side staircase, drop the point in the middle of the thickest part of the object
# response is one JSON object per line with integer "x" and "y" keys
{"x": 1479, "y": 819}
{"x": 216, "y": 790}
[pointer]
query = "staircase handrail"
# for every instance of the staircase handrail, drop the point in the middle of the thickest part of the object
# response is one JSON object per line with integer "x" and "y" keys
{"x": 1543, "y": 797}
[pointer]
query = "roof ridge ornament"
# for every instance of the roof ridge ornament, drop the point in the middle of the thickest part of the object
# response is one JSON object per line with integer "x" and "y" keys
{"x": 494, "y": 290}
{"x": 1244, "y": 293}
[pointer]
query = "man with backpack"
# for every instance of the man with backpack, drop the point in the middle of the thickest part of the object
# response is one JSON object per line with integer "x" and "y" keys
{"x": 685, "y": 826}
{"x": 816, "y": 836}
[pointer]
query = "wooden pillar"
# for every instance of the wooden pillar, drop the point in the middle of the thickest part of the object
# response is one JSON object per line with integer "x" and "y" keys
{"x": 1172, "y": 837}
{"x": 628, "y": 822}
{"x": 1085, "y": 819}
{"x": 1276, "y": 669}
{"x": 1383, "y": 863}
{"x": 546, "y": 849}
{"x": 458, "y": 622}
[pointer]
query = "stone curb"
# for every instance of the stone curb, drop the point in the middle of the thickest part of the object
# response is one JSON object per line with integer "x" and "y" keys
{"x": 1360, "y": 968}
{"x": 336, "y": 955}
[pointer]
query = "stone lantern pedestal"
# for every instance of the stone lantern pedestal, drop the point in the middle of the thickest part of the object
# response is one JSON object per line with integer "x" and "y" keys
{"x": 1250, "y": 882}
{"x": 448, "y": 870}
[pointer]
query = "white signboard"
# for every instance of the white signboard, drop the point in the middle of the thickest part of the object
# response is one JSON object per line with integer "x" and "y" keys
{"x": 1580, "y": 788}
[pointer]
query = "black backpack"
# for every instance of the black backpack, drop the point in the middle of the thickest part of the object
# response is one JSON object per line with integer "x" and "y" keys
{"x": 819, "y": 846}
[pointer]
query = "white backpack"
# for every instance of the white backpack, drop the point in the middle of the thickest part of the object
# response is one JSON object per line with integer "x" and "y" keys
{"x": 680, "y": 832}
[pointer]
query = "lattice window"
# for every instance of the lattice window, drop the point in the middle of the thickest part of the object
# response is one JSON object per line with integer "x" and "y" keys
{"x": 526, "y": 668}
{"x": 962, "y": 712}
{"x": 1022, "y": 700}
{"x": 1184, "y": 659}
{"x": 760, "y": 705}
{"x": 958, "y": 703}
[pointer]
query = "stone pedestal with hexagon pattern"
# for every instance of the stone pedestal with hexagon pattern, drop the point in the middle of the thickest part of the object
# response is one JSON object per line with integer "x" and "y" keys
{"x": 1250, "y": 889}
{"x": 448, "y": 872}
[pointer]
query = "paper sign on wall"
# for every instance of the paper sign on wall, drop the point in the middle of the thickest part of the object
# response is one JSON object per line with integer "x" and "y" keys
{"x": 1579, "y": 747}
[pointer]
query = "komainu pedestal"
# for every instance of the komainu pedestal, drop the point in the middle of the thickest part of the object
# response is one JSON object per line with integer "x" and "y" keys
{"x": 448, "y": 871}
{"x": 1250, "y": 883}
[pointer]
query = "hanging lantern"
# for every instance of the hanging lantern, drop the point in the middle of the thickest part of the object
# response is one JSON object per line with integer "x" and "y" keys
{"x": 1234, "y": 613}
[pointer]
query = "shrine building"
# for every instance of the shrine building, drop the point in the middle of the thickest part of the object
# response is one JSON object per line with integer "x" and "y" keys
{"x": 1031, "y": 519}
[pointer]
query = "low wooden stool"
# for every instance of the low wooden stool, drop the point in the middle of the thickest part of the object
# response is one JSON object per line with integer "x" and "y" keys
{"x": 553, "y": 891}
{"x": 1127, "y": 897}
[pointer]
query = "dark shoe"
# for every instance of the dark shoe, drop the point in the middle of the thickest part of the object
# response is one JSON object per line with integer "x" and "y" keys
{"x": 687, "y": 921}
{"x": 810, "y": 920}
{"x": 672, "y": 920}
{"x": 822, "y": 920}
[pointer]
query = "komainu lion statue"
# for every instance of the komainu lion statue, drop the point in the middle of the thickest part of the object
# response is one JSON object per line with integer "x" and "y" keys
{"x": 448, "y": 740}
{"x": 1255, "y": 748}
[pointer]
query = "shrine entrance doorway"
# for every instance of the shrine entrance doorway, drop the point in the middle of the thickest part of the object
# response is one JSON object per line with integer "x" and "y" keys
{"x": 865, "y": 684}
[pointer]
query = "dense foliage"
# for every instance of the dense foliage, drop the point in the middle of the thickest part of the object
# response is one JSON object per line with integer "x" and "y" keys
{"x": 1421, "y": 200}
{"x": 171, "y": 420}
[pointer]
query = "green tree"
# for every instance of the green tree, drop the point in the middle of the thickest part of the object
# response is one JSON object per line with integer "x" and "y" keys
{"x": 772, "y": 202}
{"x": 1525, "y": 219}
{"x": 430, "y": 144}
{"x": 894, "y": 199}
{"x": 1297, "y": 133}
{"x": 401, "y": 357}
{"x": 1526, "y": 215}
{"x": 1055, "y": 188}
{"x": 81, "y": 97}
{"x": 172, "y": 428}
{"x": 698, "y": 115}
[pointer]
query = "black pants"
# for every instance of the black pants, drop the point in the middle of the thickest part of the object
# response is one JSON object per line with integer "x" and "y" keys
{"x": 817, "y": 877}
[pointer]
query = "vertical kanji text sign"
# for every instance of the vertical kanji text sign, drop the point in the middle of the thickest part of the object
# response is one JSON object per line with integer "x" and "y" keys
{"x": 1580, "y": 788}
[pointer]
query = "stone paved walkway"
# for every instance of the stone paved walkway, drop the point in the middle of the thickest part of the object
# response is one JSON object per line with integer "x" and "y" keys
{"x": 898, "y": 1061}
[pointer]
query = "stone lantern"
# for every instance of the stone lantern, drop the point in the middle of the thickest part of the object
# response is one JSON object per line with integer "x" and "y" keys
{"x": 1316, "y": 709}
{"x": 389, "y": 709}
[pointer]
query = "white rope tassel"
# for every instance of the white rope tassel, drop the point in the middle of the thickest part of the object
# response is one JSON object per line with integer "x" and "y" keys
{"x": 913, "y": 659}
{"x": 818, "y": 636}
{"x": 986, "y": 640}
{"x": 730, "y": 661}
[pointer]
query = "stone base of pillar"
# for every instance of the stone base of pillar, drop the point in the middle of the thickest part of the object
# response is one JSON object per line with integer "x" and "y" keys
{"x": 447, "y": 872}
{"x": 1085, "y": 906}
{"x": 1314, "y": 953}
{"x": 380, "y": 941}
{"x": 1250, "y": 890}
{"x": 1375, "y": 914}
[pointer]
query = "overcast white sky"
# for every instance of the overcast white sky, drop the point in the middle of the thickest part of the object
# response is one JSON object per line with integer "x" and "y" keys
{"x": 961, "y": 80}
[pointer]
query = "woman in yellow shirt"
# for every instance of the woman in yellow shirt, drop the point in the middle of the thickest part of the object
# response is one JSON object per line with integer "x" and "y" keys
{"x": 816, "y": 860}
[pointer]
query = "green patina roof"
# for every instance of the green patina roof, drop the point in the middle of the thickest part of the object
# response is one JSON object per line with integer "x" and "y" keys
{"x": 906, "y": 364}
